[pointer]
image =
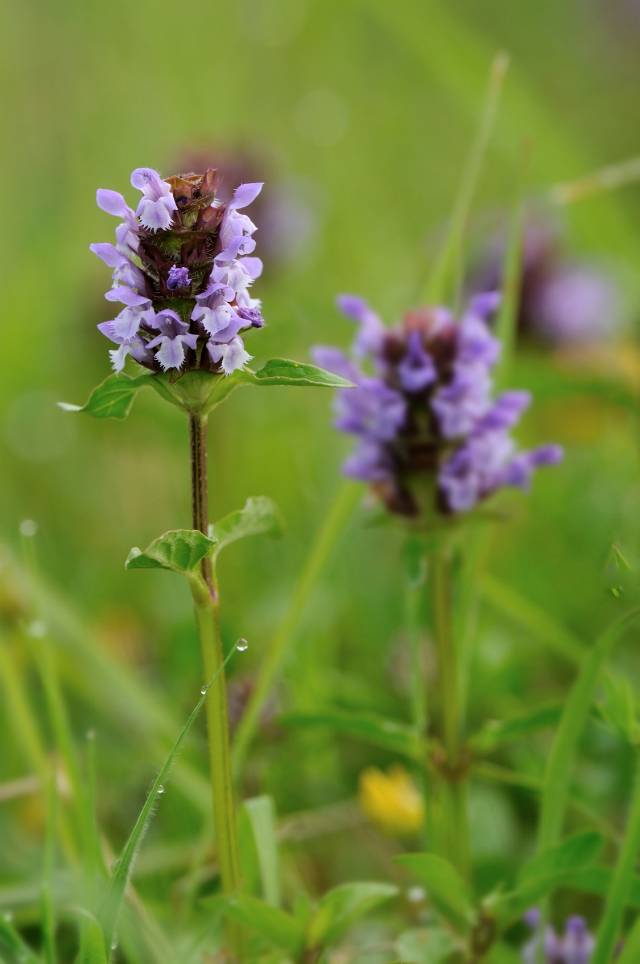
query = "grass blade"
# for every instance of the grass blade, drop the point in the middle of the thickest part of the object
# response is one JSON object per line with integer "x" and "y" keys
{"x": 621, "y": 884}
{"x": 46, "y": 890}
{"x": 445, "y": 274}
{"x": 507, "y": 319}
{"x": 262, "y": 816}
{"x": 112, "y": 902}
{"x": 555, "y": 794}
{"x": 631, "y": 950}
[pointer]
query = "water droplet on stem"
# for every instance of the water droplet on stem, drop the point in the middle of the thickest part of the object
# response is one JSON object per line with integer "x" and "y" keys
{"x": 242, "y": 644}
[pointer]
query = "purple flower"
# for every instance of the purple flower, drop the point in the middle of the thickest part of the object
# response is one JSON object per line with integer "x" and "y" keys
{"x": 174, "y": 335}
{"x": 574, "y": 947}
{"x": 212, "y": 273}
{"x": 372, "y": 409}
{"x": 157, "y": 205}
{"x": 460, "y": 404}
{"x": 253, "y": 316}
{"x": 369, "y": 338}
{"x": 125, "y": 272}
{"x": 216, "y": 315}
{"x": 178, "y": 278}
{"x": 232, "y": 355}
{"x": 369, "y": 463}
{"x": 234, "y": 224}
{"x": 429, "y": 410}
{"x": 127, "y": 324}
{"x": 127, "y": 232}
{"x": 417, "y": 368}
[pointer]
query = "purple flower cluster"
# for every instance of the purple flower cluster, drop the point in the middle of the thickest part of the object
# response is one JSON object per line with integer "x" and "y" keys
{"x": 424, "y": 408}
{"x": 574, "y": 947}
{"x": 181, "y": 273}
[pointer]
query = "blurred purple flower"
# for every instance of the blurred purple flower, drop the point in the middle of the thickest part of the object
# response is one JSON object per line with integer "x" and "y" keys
{"x": 561, "y": 301}
{"x": 429, "y": 409}
{"x": 574, "y": 947}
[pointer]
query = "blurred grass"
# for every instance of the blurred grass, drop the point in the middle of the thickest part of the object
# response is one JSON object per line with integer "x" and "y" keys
{"x": 93, "y": 90}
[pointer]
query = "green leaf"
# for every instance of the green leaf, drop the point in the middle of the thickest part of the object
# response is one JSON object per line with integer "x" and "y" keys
{"x": 446, "y": 889}
{"x": 577, "y": 851}
{"x": 558, "y": 772}
{"x": 618, "y": 712}
{"x": 13, "y": 949}
{"x": 631, "y": 950}
{"x": 112, "y": 900}
{"x": 274, "y": 924}
{"x": 497, "y": 733}
{"x": 553, "y": 868}
{"x": 180, "y": 550}
{"x": 375, "y": 729}
{"x": 424, "y": 945}
{"x": 284, "y": 371}
{"x": 262, "y": 816}
{"x": 113, "y": 398}
{"x": 339, "y": 908}
{"x": 621, "y": 883}
{"x": 597, "y": 880}
{"x": 260, "y": 517}
{"x": 92, "y": 946}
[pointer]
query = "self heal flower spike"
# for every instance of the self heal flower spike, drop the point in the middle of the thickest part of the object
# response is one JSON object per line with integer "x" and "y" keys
{"x": 427, "y": 424}
{"x": 179, "y": 267}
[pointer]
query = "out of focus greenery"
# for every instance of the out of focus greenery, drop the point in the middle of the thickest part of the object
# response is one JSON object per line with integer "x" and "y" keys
{"x": 358, "y": 115}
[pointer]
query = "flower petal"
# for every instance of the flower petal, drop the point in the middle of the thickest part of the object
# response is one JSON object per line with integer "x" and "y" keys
{"x": 245, "y": 194}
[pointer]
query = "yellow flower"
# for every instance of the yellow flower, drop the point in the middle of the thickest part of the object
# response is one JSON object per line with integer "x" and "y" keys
{"x": 391, "y": 800}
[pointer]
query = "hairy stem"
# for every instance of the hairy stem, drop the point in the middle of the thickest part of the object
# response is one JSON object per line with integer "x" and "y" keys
{"x": 206, "y": 600}
{"x": 453, "y": 791}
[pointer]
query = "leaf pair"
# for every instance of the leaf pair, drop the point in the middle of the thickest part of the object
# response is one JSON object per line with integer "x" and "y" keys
{"x": 199, "y": 391}
{"x": 182, "y": 550}
{"x": 307, "y": 928}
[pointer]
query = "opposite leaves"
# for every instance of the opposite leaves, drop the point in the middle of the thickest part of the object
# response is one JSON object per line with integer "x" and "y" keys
{"x": 199, "y": 391}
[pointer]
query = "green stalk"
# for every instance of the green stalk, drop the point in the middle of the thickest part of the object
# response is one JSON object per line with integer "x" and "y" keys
{"x": 453, "y": 817}
{"x": 334, "y": 522}
{"x": 621, "y": 883}
{"x": 206, "y": 600}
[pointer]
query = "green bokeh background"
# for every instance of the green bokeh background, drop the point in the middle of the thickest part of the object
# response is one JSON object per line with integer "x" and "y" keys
{"x": 368, "y": 168}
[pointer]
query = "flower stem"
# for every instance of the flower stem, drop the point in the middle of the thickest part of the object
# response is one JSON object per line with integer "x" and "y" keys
{"x": 454, "y": 818}
{"x": 206, "y": 600}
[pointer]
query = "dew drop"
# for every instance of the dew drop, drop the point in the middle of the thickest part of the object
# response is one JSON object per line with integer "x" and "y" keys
{"x": 204, "y": 690}
{"x": 160, "y": 789}
{"x": 37, "y": 629}
{"x": 28, "y": 528}
{"x": 242, "y": 644}
{"x": 114, "y": 946}
{"x": 91, "y": 734}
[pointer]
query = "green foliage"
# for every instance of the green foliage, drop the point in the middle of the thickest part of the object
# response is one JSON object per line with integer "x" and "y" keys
{"x": 262, "y": 817}
{"x": 339, "y": 908}
{"x": 498, "y": 733}
{"x": 308, "y": 928}
{"x": 181, "y": 550}
{"x": 445, "y": 887}
{"x": 544, "y": 873}
{"x": 275, "y": 925}
{"x": 260, "y": 517}
{"x": 112, "y": 398}
{"x": 370, "y": 727}
{"x": 13, "y": 949}
{"x": 198, "y": 391}
{"x": 558, "y": 773}
{"x": 112, "y": 900}
{"x": 431, "y": 945}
